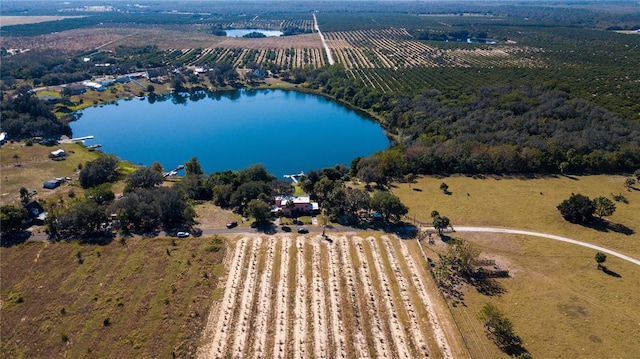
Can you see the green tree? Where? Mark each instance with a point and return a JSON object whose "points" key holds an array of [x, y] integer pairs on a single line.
{"points": [[100, 193], [440, 223], [444, 187], [466, 256], [102, 170], [24, 195], [144, 177], [629, 182], [499, 328], [604, 207], [12, 218], [600, 258], [578, 208], [192, 167], [259, 210], [388, 205], [636, 174]]}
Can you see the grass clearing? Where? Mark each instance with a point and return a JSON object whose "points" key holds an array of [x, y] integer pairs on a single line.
{"points": [[526, 204], [32, 167], [149, 298], [560, 304]]}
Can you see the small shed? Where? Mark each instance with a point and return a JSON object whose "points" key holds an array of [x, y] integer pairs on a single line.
{"points": [[51, 184], [57, 153]]}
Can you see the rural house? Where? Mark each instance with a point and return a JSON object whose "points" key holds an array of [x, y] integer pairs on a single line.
{"points": [[298, 204]]}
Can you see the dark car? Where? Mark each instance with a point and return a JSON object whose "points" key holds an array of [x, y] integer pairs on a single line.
{"points": [[286, 229], [303, 230], [232, 224]]}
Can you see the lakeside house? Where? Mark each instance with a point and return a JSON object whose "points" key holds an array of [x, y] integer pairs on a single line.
{"points": [[35, 212], [297, 204]]}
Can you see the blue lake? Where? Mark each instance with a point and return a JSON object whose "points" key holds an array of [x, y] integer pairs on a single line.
{"points": [[286, 131]]}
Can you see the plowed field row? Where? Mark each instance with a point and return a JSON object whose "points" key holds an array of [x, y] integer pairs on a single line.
{"points": [[303, 297], [238, 57]]}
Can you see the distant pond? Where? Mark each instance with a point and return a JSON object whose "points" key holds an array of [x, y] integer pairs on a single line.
{"points": [[286, 131], [242, 32]]}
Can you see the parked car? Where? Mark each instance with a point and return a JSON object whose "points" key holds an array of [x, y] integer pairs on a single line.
{"points": [[232, 224], [183, 234], [303, 230]]}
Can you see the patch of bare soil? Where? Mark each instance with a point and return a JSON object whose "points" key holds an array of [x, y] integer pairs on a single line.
{"points": [[23, 20]]}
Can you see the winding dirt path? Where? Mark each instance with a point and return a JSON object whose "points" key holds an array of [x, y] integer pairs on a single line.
{"points": [[549, 236]]}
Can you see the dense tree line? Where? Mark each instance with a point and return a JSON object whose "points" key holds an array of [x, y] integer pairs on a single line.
{"points": [[26, 116], [144, 207], [499, 129]]}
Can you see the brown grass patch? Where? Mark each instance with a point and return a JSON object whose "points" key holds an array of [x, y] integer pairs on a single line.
{"points": [[560, 304], [526, 204], [22, 20], [121, 301]]}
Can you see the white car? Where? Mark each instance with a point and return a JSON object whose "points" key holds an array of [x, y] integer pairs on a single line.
{"points": [[183, 234]]}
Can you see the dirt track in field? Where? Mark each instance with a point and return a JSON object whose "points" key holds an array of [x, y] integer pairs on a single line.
{"points": [[291, 296]]}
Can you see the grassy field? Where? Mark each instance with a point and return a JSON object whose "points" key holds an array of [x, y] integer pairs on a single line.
{"points": [[526, 204], [560, 304], [33, 166], [146, 298]]}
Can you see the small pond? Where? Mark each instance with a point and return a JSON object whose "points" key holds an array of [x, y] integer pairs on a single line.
{"points": [[242, 32], [286, 131]]}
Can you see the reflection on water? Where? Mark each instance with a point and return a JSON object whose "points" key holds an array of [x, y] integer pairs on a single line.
{"points": [[286, 131]]}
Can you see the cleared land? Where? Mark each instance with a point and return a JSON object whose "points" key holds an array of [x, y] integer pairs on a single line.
{"points": [[21, 20], [560, 304], [141, 298], [528, 203], [29, 166], [301, 296]]}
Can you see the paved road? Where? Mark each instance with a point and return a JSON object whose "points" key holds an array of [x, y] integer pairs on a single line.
{"points": [[337, 229], [549, 236]]}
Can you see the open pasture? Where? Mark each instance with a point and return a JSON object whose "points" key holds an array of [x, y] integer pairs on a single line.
{"points": [[136, 298], [560, 304], [528, 203]]}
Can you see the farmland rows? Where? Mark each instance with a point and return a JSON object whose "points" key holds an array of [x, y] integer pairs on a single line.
{"points": [[436, 327], [238, 57], [303, 297], [359, 336], [419, 342], [378, 330], [318, 306], [338, 328], [246, 303], [264, 304], [222, 326], [300, 310], [398, 336], [282, 309]]}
